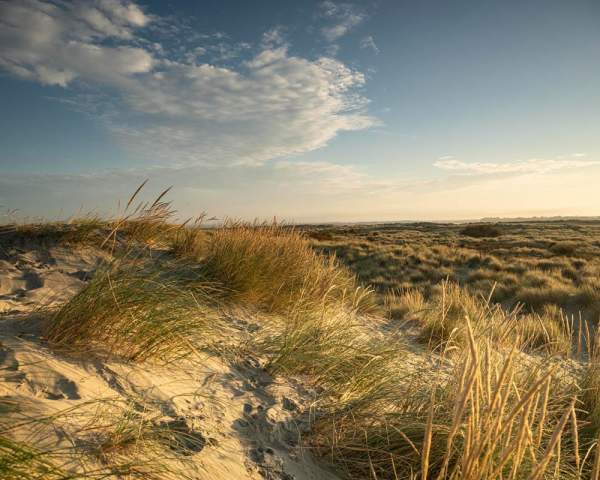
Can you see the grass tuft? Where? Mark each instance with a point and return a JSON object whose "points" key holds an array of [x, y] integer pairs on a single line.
{"points": [[481, 230], [273, 268], [133, 310]]}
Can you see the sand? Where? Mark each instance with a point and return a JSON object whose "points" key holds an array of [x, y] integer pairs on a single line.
{"points": [[242, 423]]}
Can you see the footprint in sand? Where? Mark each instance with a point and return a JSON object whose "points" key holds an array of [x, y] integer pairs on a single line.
{"points": [[32, 280], [9, 366], [64, 388]]}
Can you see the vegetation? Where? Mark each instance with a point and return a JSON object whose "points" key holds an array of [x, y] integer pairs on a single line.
{"points": [[486, 418], [82, 230], [136, 311], [269, 266], [115, 439], [475, 357], [142, 223], [481, 230], [536, 265]]}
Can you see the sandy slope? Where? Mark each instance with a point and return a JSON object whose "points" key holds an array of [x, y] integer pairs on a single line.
{"points": [[33, 276], [244, 424]]}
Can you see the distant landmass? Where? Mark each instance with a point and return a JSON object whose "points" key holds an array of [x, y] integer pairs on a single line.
{"points": [[556, 218], [539, 219]]}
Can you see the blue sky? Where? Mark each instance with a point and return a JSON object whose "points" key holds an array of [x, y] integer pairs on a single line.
{"points": [[309, 111]]}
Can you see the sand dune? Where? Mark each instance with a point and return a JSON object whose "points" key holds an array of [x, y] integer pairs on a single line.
{"points": [[238, 422]]}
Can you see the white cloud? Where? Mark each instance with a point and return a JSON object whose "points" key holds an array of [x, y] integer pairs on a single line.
{"points": [[56, 43], [369, 43], [531, 166], [171, 108], [272, 106], [343, 17], [324, 176]]}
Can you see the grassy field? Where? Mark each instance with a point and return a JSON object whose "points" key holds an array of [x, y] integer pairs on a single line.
{"points": [[434, 351], [540, 265]]}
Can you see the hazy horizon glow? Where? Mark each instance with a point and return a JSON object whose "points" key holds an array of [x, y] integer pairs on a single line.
{"points": [[310, 111]]}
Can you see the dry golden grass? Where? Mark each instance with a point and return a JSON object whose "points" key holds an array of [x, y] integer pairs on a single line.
{"points": [[135, 310], [337, 351], [145, 223], [90, 229], [489, 417], [536, 264], [508, 388], [442, 325], [270, 267]]}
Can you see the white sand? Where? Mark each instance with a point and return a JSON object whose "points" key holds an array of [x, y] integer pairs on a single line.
{"points": [[245, 423]]}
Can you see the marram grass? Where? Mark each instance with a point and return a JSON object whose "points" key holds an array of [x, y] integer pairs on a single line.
{"points": [[131, 309], [483, 396], [270, 267]]}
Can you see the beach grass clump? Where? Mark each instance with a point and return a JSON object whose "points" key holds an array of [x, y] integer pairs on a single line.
{"points": [[553, 332], [565, 248], [105, 438], [336, 350], [443, 319], [87, 230], [544, 334], [145, 223], [404, 305], [590, 384], [488, 417], [274, 268], [188, 239], [23, 461], [135, 309], [481, 230], [134, 440]]}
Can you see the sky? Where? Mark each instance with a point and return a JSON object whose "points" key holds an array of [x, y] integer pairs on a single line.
{"points": [[310, 111]]}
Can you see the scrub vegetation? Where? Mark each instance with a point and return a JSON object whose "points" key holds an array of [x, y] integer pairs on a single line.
{"points": [[537, 265], [433, 351]]}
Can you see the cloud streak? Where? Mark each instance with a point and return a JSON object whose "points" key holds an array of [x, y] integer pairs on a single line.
{"points": [[531, 166]]}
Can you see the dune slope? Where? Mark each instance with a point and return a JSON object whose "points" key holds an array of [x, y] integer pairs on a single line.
{"points": [[229, 418]]}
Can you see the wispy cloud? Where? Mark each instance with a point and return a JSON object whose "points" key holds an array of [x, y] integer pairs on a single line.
{"points": [[531, 166], [318, 191], [342, 17], [368, 43], [274, 37], [222, 190], [174, 105]]}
